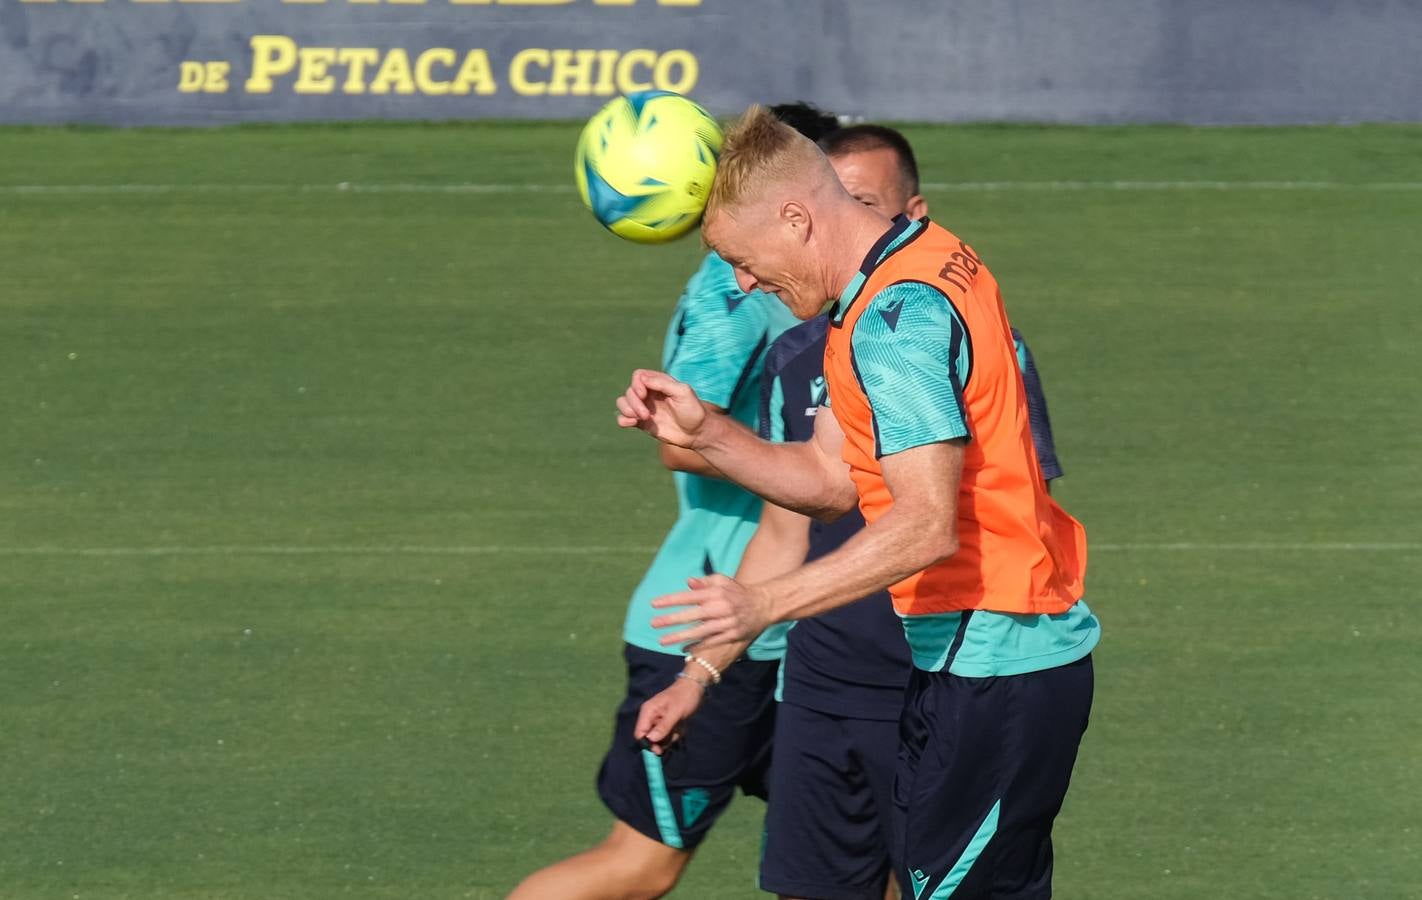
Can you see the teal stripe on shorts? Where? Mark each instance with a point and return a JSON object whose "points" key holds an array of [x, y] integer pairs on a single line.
{"points": [[970, 855], [661, 800]]}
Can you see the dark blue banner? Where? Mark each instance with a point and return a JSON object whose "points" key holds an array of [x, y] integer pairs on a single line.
{"points": [[1200, 61]]}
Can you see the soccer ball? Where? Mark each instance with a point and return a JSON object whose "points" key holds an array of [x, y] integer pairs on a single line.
{"points": [[644, 165]]}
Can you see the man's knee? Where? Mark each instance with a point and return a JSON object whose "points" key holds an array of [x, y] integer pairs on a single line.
{"points": [[647, 869], [650, 884]]}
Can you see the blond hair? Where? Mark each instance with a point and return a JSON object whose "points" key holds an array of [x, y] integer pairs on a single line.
{"points": [[759, 149]]}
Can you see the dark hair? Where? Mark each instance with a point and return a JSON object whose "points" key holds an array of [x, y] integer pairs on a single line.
{"points": [[863, 138], [811, 121]]}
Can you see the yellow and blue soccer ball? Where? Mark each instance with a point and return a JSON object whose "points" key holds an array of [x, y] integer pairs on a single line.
{"points": [[645, 163]]}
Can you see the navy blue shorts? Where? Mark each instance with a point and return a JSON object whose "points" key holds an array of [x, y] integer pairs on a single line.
{"points": [[984, 764], [827, 829], [676, 797]]}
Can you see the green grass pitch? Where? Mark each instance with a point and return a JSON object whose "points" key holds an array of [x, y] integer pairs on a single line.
{"points": [[374, 432]]}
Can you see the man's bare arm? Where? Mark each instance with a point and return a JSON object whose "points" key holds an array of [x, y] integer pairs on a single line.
{"points": [[680, 459], [919, 530], [806, 477], [779, 545]]}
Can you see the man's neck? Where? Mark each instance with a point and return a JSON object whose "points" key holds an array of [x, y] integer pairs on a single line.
{"points": [[856, 234]]}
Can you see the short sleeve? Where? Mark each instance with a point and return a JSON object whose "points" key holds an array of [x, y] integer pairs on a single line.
{"points": [[1037, 411], [912, 357], [772, 407], [720, 334]]}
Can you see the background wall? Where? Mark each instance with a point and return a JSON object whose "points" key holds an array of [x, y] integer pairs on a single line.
{"points": [[1195, 61]]}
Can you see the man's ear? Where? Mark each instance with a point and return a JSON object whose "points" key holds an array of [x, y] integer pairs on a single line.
{"points": [[795, 214], [916, 207]]}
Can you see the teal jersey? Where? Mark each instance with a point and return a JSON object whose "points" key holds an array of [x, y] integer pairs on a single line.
{"points": [[716, 343], [912, 355], [985, 644]]}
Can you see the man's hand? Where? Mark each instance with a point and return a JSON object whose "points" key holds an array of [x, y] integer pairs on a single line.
{"points": [[662, 718], [663, 407], [720, 611]]}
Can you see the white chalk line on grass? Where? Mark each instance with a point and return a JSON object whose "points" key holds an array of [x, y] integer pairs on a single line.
{"points": [[332, 188], [331, 550], [612, 550], [947, 186], [1171, 186], [1321, 546]]}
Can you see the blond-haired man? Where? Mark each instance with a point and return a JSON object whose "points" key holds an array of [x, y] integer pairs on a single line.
{"points": [[930, 437]]}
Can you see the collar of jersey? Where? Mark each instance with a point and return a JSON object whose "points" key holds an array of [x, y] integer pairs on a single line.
{"points": [[900, 233]]}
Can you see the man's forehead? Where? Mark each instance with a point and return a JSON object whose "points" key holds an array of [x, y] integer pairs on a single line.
{"points": [[718, 230], [876, 162]]}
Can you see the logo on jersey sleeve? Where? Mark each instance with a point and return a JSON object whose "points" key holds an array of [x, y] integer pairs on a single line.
{"points": [[819, 392], [890, 311]]}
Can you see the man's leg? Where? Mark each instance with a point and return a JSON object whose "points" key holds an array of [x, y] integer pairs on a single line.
{"points": [[823, 840], [876, 751], [983, 769], [665, 805], [626, 866]]}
